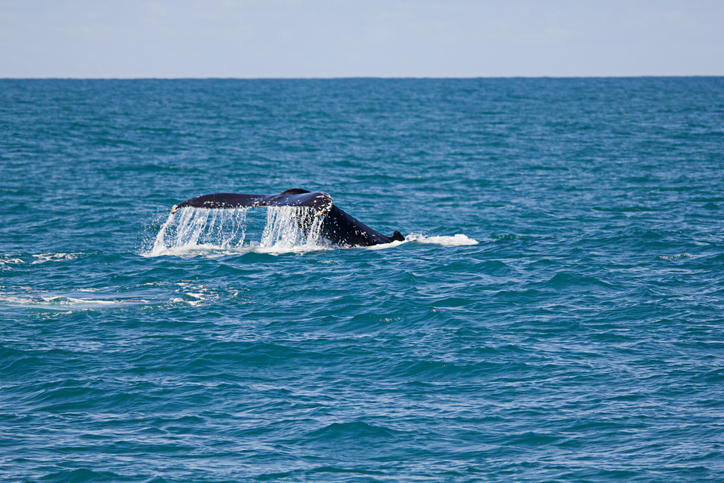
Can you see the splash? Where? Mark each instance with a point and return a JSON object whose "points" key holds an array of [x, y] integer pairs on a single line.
{"points": [[447, 241], [201, 227], [195, 231], [292, 226]]}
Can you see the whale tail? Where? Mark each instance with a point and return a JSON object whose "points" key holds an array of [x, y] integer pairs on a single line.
{"points": [[337, 226], [319, 201]]}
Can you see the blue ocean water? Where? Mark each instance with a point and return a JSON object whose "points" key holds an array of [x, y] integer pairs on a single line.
{"points": [[556, 313]]}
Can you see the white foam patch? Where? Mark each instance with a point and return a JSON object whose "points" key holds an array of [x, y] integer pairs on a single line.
{"points": [[10, 260], [447, 241], [53, 257], [675, 257], [36, 259], [60, 302], [212, 251], [77, 300]]}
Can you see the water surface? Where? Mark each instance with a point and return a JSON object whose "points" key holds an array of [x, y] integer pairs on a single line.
{"points": [[556, 312]]}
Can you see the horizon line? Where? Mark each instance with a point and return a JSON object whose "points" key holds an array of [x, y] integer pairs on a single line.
{"points": [[381, 77]]}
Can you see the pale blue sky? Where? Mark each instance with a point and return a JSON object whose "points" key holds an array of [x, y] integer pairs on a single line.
{"points": [[370, 38]]}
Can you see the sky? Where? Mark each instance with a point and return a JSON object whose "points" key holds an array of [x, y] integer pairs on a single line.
{"points": [[359, 38]]}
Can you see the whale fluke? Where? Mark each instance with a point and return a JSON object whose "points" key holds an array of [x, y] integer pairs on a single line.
{"points": [[337, 226], [321, 202]]}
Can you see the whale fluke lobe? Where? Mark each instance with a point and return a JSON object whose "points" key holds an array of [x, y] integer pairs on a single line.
{"points": [[337, 226], [321, 202]]}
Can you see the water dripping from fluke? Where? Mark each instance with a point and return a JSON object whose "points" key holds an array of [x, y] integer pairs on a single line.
{"points": [[193, 231]]}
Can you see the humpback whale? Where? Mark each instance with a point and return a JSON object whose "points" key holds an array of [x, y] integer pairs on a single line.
{"points": [[337, 226]]}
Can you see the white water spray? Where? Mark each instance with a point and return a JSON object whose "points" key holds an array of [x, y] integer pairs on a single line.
{"points": [[193, 230], [292, 226]]}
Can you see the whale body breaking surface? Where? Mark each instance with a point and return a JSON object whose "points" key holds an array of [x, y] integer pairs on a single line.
{"points": [[337, 226]]}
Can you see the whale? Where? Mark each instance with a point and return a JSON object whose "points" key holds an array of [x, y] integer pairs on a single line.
{"points": [[337, 227]]}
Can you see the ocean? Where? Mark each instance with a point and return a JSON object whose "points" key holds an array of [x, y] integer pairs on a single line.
{"points": [[556, 312]]}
